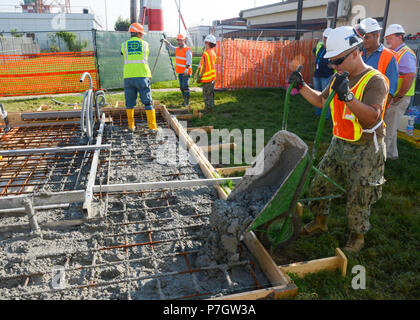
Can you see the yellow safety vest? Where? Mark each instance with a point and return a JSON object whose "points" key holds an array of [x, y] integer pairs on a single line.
{"points": [[346, 125], [210, 72], [399, 55], [136, 53]]}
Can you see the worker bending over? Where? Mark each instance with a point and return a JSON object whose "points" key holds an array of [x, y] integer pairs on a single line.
{"points": [[356, 155], [377, 56], [207, 74], [407, 70], [137, 76], [183, 66]]}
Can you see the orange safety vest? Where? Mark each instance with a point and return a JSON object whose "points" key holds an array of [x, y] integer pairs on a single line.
{"points": [[210, 72], [398, 55], [181, 60], [346, 125], [385, 60]]}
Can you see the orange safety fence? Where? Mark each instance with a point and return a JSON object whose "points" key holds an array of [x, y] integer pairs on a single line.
{"points": [[46, 73], [262, 64]]}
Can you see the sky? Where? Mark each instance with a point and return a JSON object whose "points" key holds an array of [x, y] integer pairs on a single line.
{"points": [[195, 12]]}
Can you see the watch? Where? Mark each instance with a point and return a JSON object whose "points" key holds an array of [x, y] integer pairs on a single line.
{"points": [[349, 96]]}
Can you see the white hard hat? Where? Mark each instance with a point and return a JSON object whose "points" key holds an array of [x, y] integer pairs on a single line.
{"points": [[210, 38], [340, 40], [326, 32], [370, 25], [394, 28]]}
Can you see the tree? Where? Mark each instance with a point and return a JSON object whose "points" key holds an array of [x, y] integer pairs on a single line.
{"points": [[15, 33], [121, 24], [70, 39]]}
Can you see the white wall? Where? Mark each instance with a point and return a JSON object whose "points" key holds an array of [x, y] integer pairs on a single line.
{"points": [[42, 24]]}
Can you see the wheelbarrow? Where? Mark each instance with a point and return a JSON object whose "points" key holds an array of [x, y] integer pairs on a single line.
{"points": [[284, 165]]}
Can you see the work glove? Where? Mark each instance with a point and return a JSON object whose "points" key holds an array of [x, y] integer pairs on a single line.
{"points": [[341, 85], [296, 79]]}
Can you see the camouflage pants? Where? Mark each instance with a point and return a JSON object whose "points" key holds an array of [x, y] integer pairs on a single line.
{"points": [[208, 95], [358, 169]]}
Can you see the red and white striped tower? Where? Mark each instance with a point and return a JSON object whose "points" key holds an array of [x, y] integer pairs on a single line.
{"points": [[152, 15]]}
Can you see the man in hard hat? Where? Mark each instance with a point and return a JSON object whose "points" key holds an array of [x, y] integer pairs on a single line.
{"points": [[137, 76], [207, 75], [183, 66], [407, 70], [323, 72], [377, 56], [356, 156]]}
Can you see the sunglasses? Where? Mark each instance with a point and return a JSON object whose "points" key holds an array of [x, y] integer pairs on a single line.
{"points": [[339, 61]]}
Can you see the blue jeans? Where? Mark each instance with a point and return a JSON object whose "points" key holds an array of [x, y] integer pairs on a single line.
{"points": [[320, 84], [184, 84], [135, 86]]}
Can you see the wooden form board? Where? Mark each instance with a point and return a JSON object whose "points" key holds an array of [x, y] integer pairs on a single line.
{"points": [[333, 263], [282, 284], [197, 153], [230, 170]]}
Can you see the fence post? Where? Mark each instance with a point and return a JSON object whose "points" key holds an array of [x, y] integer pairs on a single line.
{"points": [[95, 50]]}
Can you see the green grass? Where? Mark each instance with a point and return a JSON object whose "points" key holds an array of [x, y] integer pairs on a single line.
{"points": [[392, 252]]}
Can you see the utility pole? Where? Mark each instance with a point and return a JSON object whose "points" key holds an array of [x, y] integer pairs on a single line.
{"points": [[133, 11], [385, 21], [299, 19], [106, 17], [179, 16], [334, 23]]}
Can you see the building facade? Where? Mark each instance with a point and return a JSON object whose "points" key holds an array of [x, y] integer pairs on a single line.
{"points": [[40, 26]]}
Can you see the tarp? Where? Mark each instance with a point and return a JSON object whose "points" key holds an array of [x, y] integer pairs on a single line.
{"points": [[111, 62]]}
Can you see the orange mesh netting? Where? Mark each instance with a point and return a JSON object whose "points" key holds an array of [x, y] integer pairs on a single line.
{"points": [[46, 73], [261, 64]]}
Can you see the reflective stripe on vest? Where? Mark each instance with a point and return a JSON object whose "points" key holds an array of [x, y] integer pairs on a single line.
{"points": [[399, 54], [210, 72], [181, 60], [346, 125], [135, 53], [318, 47]]}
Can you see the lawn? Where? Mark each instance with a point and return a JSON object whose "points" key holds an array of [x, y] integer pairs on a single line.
{"points": [[392, 252]]}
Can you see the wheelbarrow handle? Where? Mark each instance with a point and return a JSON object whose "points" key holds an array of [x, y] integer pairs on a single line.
{"points": [[321, 125], [287, 102]]}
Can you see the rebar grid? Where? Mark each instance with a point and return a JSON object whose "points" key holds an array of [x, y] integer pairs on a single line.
{"points": [[31, 173], [147, 246]]}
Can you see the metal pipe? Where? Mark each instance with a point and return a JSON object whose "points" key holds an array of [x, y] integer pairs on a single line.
{"points": [[385, 21], [92, 173], [37, 208], [25, 152], [12, 202], [162, 184]]}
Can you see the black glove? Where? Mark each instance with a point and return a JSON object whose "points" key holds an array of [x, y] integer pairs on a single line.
{"points": [[341, 85], [296, 79]]}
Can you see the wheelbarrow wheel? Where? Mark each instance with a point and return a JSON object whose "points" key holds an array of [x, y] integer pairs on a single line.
{"points": [[280, 232]]}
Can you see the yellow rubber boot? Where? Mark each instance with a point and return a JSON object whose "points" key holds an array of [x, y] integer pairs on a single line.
{"points": [[130, 117], [151, 119]]}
